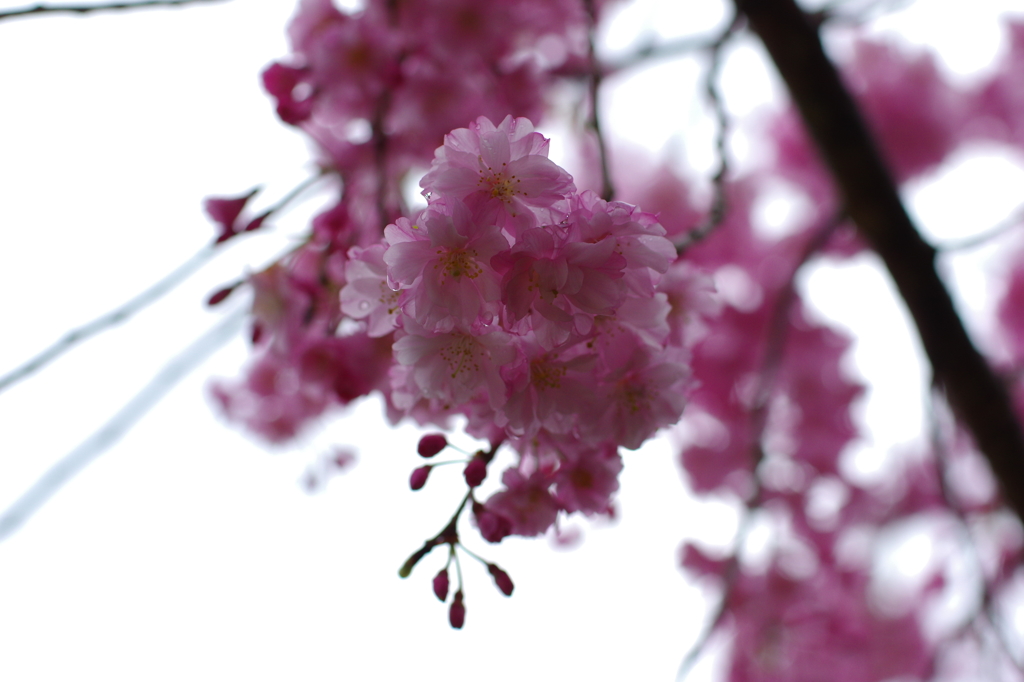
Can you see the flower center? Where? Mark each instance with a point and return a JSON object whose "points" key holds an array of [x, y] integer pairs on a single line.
{"points": [[502, 187], [544, 374], [388, 298], [461, 355], [456, 263], [634, 396]]}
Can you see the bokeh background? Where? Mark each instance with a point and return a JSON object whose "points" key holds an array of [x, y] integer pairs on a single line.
{"points": [[189, 550]]}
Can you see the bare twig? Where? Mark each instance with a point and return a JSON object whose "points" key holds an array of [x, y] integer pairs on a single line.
{"points": [[96, 444], [777, 332], [987, 605], [717, 211], [111, 319], [86, 9], [594, 120], [839, 12], [977, 240], [135, 305], [651, 51]]}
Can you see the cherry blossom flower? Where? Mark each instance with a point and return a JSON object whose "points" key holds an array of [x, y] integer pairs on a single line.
{"points": [[587, 479], [454, 366], [445, 265], [366, 294], [500, 170], [526, 502]]}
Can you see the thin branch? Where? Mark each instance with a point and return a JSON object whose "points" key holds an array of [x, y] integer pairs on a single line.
{"points": [[86, 9], [111, 432], [987, 605], [777, 332], [651, 51], [113, 318], [380, 156], [982, 238], [873, 202], [135, 305], [839, 13], [449, 534], [322, 172], [731, 573], [717, 211], [594, 120]]}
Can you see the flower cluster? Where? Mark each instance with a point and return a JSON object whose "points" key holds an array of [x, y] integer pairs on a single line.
{"points": [[540, 313], [565, 326], [378, 89]]}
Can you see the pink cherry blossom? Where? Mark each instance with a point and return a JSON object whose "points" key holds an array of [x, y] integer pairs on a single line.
{"points": [[643, 391], [366, 294], [547, 389], [500, 170], [587, 479], [444, 263], [454, 366], [526, 502]]}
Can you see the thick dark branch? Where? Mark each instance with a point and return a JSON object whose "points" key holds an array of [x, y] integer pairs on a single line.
{"points": [[871, 200], [85, 9]]}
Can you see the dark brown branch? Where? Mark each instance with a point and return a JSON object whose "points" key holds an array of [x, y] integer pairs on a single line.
{"points": [[871, 199]]}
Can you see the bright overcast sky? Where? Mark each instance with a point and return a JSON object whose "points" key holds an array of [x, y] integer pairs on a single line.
{"points": [[188, 550]]}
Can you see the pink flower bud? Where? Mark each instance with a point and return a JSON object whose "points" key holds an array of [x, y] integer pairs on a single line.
{"points": [[493, 527], [220, 295], [441, 584], [501, 579], [457, 612], [475, 472], [225, 211], [418, 479], [256, 222], [431, 444], [343, 459]]}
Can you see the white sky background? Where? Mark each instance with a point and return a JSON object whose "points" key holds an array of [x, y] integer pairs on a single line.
{"points": [[189, 551]]}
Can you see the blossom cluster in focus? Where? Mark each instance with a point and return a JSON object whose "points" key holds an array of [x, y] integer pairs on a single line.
{"points": [[548, 317]]}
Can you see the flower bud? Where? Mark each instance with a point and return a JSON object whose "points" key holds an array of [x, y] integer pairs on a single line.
{"points": [[219, 296], [257, 222], [475, 472], [418, 478], [431, 444], [501, 579], [441, 584], [493, 527], [457, 612]]}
